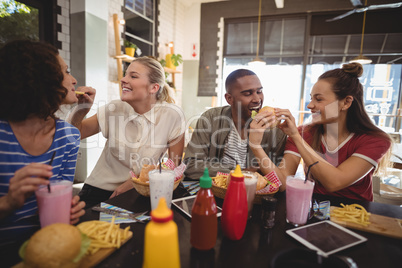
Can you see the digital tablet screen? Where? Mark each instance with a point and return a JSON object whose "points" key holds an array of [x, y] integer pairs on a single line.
{"points": [[326, 237], [185, 204]]}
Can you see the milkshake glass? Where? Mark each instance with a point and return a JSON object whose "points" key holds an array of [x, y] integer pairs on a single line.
{"points": [[161, 185], [55, 207], [298, 199]]}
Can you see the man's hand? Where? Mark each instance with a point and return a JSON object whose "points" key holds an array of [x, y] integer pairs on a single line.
{"points": [[261, 122]]}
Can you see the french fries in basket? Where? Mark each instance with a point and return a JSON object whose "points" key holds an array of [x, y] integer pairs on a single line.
{"points": [[352, 213], [104, 234], [221, 180]]}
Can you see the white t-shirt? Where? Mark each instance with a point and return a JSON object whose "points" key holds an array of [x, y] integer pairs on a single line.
{"points": [[133, 140], [235, 149]]}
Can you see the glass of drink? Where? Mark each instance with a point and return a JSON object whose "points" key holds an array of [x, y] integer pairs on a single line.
{"points": [[55, 206], [298, 199], [161, 184], [250, 181]]}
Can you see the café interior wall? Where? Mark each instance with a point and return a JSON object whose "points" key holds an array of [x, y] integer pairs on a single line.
{"points": [[89, 64], [192, 105]]}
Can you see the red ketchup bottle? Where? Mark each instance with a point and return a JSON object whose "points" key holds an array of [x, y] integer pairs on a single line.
{"points": [[204, 223], [234, 209]]}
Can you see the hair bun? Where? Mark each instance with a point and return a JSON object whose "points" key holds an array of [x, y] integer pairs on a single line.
{"points": [[354, 68]]}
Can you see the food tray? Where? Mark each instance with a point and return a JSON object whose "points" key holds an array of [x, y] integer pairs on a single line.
{"points": [[220, 192]]}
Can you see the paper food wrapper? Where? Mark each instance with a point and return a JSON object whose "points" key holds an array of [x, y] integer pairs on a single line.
{"points": [[169, 164], [108, 218], [273, 182]]}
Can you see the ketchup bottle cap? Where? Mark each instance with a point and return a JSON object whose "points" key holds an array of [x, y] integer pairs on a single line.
{"points": [[237, 172]]}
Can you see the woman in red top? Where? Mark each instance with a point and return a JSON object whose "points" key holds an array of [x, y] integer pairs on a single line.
{"points": [[349, 148]]}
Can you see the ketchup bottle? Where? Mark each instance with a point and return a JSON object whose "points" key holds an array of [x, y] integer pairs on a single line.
{"points": [[234, 209], [204, 223], [161, 245]]}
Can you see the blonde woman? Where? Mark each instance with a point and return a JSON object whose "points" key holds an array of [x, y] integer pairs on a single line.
{"points": [[138, 128], [349, 148]]}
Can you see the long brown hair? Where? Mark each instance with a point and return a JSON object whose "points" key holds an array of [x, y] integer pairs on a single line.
{"points": [[157, 75], [345, 82]]}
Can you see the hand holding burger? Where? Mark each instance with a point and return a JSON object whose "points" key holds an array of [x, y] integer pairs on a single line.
{"points": [[266, 109]]}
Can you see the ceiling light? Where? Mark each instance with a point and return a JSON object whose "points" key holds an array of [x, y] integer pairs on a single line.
{"points": [[362, 59], [279, 3], [257, 61]]}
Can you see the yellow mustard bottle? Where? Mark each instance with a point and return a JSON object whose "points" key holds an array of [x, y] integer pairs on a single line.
{"points": [[161, 243]]}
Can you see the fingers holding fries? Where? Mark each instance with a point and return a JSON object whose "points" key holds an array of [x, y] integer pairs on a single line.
{"points": [[104, 234]]}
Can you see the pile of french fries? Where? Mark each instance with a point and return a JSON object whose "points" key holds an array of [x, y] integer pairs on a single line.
{"points": [[221, 180], [104, 234], [352, 213]]}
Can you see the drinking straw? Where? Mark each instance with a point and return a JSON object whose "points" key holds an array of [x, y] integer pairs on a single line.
{"points": [[50, 163], [160, 162], [308, 171]]}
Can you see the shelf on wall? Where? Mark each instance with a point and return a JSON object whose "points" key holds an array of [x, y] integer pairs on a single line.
{"points": [[127, 58]]}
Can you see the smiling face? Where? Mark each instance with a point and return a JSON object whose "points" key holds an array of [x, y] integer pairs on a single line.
{"points": [[136, 86], [245, 96], [69, 83], [324, 105]]}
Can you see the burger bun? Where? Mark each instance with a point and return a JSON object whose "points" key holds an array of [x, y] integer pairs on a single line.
{"points": [[269, 109], [55, 245]]}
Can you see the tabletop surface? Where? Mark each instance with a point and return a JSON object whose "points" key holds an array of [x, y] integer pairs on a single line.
{"points": [[258, 246]]}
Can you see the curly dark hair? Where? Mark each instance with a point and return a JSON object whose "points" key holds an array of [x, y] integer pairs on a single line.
{"points": [[30, 80]]}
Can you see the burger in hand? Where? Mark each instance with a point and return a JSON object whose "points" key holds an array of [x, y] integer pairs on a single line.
{"points": [[56, 245], [266, 109]]}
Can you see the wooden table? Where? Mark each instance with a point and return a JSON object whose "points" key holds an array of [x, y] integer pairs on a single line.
{"points": [[258, 247]]}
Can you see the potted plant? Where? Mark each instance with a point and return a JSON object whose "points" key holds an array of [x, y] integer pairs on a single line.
{"points": [[173, 60], [129, 48]]}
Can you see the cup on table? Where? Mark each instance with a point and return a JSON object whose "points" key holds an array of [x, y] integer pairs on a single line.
{"points": [[55, 207], [161, 185], [298, 199], [250, 181]]}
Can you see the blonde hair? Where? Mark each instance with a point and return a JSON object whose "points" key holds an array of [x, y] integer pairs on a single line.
{"points": [[157, 75]]}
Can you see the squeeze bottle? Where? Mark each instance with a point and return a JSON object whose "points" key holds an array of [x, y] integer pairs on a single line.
{"points": [[161, 243], [204, 223], [234, 209]]}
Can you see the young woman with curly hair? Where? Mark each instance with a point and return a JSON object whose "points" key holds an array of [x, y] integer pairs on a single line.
{"points": [[33, 84], [349, 148]]}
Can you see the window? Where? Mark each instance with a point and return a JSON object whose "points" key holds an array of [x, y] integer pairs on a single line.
{"points": [[281, 47], [140, 24], [18, 21], [28, 19], [287, 85]]}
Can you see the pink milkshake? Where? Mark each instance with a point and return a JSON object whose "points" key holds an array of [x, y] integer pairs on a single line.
{"points": [[54, 207], [298, 199]]}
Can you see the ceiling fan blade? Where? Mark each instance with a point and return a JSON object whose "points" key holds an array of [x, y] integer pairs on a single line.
{"points": [[393, 5], [342, 16], [356, 3]]}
